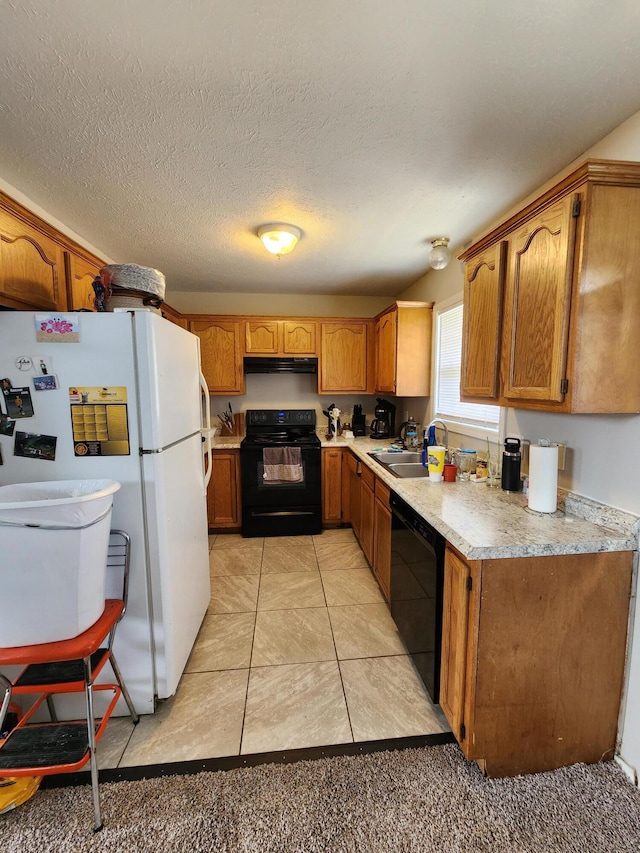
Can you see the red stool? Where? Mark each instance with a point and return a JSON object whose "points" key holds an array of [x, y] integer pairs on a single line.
{"points": [[66, 666]]}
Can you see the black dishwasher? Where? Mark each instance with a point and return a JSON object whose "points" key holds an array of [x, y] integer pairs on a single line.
{"points": [[417, 580]]}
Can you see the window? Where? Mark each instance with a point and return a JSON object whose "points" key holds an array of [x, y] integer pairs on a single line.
{"points": [[470, 417]]}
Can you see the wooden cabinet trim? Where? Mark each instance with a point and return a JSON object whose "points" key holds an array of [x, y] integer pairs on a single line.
{"points": [[608, 172], [27, 217]]}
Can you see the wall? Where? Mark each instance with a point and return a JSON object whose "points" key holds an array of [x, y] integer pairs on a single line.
{"points": [[21, 198], [611, 476], [270, 391], [278, 304]]}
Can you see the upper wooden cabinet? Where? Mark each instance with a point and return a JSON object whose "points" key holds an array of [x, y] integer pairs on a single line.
{"points": [[174, 316], [567, 330], [482, 323], [403, 349], [40, 267], [31, 266], [80, 275], [268, 336], [220, 353], [345, 356]]}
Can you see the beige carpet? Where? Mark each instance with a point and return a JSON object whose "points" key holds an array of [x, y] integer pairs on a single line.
{"points": [[422, 800]]}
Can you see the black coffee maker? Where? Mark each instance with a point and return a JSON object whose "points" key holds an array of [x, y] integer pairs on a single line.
{"points": [[384, 421]]}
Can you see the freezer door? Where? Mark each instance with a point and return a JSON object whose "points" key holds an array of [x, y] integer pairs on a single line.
{"points": [[178, 555], [168, 364]]}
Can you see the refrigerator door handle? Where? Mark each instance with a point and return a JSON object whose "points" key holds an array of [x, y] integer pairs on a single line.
{"points": [[206, 432]]}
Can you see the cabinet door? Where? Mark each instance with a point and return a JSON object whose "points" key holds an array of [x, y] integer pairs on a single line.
{"points": [[455, 623], [331, 485], [537, 304], [299, 337], [343, 357], [220, 354], [482, 323], [367, 502], [80, 276], [31, 267], [223, 493], [261, 337], [354, 492], [386, 343], [382, 541]]}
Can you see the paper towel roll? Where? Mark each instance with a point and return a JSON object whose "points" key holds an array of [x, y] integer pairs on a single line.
{"points": [[543, 478]]}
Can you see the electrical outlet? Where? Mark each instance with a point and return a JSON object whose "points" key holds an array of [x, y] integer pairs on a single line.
{"points": [[562, 455]]}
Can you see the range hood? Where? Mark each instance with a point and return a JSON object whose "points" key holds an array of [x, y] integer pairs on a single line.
{"points": [[280, 364]]}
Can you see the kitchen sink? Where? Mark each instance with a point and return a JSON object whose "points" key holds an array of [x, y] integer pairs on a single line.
{"points": [[385, 457], [405, 463], [408, 469]]}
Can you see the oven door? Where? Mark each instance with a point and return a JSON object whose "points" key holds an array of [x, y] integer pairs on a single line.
{"points": [[280, 508]]}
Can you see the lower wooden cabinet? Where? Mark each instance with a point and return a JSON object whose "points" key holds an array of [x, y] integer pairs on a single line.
{"points": [[382, 538], [331, 486], [365, 504], [533, 653], [352, 468], [367, 485], [224, 511]]}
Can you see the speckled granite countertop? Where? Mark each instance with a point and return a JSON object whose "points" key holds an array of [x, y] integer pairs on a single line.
{"points": [[483, 523], [226, 442]]}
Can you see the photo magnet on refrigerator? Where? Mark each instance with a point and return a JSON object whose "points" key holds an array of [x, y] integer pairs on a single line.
{"points": [[34, 446], [42, 365], [7, 426], [18, 402], [45, 383]]}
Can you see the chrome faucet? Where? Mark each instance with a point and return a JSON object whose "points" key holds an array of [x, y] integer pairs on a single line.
{"points": [[446, 436]]}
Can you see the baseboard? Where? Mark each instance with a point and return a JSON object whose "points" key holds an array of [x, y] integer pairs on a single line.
{"points": [[630, 772]]}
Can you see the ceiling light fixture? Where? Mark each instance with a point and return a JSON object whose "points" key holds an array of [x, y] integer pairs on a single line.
{"points": [[440, 255], [279, 239]]}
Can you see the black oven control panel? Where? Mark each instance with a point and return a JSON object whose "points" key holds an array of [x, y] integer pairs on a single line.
{"points": [[280, 417]]}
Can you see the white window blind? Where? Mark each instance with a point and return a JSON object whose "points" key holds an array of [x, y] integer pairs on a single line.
{"points": [[447, 386]]}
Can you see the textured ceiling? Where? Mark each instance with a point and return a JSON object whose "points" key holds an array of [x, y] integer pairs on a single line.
{"points": [[165, 133]]}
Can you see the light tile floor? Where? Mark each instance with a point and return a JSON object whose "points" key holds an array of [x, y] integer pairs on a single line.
{"points": [[297, 649]]}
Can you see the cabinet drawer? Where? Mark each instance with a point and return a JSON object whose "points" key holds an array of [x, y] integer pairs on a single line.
{"points": [[383, 492], [368, 477]]}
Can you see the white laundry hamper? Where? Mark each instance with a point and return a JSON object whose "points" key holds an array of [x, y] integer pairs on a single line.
{"points": [[54, 538]]}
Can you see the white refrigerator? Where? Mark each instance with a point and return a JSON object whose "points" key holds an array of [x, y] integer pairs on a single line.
{"points": [[120, 396]]}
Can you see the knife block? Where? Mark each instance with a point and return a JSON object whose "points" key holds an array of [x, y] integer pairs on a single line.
{"points": [[358, 425], [238, 426]]}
